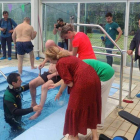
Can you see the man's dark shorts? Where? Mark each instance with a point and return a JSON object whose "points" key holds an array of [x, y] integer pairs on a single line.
{"points": [[24, 47], [55, 79]]}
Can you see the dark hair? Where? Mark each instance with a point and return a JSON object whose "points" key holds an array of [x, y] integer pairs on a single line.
{"points": [[65, 29], [12, 77], [108, 14], [60, 19], [5, 12]]}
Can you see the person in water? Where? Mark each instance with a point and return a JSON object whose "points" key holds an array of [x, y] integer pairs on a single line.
{"points": [[12, 105]]}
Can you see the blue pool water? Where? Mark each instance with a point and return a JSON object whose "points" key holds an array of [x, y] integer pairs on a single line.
{"points": [[49, 107]]}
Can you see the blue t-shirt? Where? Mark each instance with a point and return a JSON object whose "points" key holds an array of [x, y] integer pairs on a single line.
{"points": [[111, 29], [8, 25]]}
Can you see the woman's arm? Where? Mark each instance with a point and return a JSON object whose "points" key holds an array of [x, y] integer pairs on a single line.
{"points": [[63, 86], [74, 51]]}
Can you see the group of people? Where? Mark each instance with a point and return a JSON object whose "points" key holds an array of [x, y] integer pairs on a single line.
{"points": [[88, 81], [21, 35]]}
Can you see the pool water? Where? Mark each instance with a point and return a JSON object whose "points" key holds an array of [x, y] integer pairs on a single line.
{"points": [[50, 105]]}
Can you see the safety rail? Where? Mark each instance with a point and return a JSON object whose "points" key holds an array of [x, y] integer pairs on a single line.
{"points": [[131, 67], [3, 74], [121, 55]]}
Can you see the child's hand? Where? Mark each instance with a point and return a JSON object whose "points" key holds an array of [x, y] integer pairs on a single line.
{"points": [[58, 96], [37, 108], [51, 86]]}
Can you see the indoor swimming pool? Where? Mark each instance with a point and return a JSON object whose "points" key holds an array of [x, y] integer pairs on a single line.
{"points": [[50, 105]]}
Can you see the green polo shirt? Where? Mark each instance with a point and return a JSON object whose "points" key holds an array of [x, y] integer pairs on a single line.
{"points": [[104, 70], [111, 29]]}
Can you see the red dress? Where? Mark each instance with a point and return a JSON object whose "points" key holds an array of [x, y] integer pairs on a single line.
{"points": [[85, 50], [84, 107]]}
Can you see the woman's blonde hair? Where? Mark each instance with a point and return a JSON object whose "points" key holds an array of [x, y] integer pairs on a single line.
{"points": [[55, 53], [65, 29]]}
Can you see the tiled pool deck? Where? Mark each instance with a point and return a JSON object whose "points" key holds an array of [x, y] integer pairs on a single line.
{"points": [[114, 125]]}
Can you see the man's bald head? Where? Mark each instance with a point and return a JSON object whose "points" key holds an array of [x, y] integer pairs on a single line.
{"points": [[50, 43]]}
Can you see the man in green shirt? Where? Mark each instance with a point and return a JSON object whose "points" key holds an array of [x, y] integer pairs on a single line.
{"points": [[106, 75], [112, 28]]}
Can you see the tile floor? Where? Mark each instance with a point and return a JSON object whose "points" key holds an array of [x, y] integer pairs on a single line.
{"points": [[114, 125]]}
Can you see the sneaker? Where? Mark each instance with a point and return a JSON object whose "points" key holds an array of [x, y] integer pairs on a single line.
{"points": [[2, 58], [9, 58]]}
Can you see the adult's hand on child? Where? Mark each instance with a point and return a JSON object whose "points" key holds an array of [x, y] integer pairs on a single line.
{"points": [[37, 108], [41, 66], [58, 96], [70, 84], [51, 86]]}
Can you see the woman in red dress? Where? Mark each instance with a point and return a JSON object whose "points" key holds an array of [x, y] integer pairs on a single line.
{"points": [[84, 106], [79, 43]]}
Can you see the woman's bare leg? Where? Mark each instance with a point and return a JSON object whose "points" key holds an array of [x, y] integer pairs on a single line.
{"points": [[94, 134]]}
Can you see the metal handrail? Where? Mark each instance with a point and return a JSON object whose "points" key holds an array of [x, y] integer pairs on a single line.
{"points": [[3, 74], [131, 68], [114, 55], [130, 79], [103, 48], [121, 68], [95, 25]]}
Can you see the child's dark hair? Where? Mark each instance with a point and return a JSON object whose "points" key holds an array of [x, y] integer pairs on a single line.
{"points": [[12, 77], [108, 14], [5, 12]]}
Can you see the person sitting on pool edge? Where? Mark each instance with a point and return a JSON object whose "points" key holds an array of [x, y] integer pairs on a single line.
{"points": [[48, 77], [12, 105]]}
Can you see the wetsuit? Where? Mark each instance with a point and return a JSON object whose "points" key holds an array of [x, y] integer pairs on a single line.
{"points": [[13, 107]]}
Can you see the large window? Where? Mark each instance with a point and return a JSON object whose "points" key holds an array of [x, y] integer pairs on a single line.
{"points": [[94, 13], [51, 12], [18, 11]]}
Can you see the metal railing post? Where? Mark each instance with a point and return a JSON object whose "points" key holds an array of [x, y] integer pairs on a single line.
{"points": [[130, 79], [121, 80]]}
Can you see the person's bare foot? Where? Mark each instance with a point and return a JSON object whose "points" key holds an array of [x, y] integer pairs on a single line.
{"points": [[33, 104], [34, 67], [35, 115]]}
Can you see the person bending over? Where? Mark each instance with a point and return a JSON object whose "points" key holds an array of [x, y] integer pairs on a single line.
{"points": [[79, 43], [12, 105], [84, 87], [106, 75]]}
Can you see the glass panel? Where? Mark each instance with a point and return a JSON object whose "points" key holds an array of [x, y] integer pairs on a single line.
{"points": [[17, 12], [134, 16], [51, 12], [94, 13], [0, 31]]}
